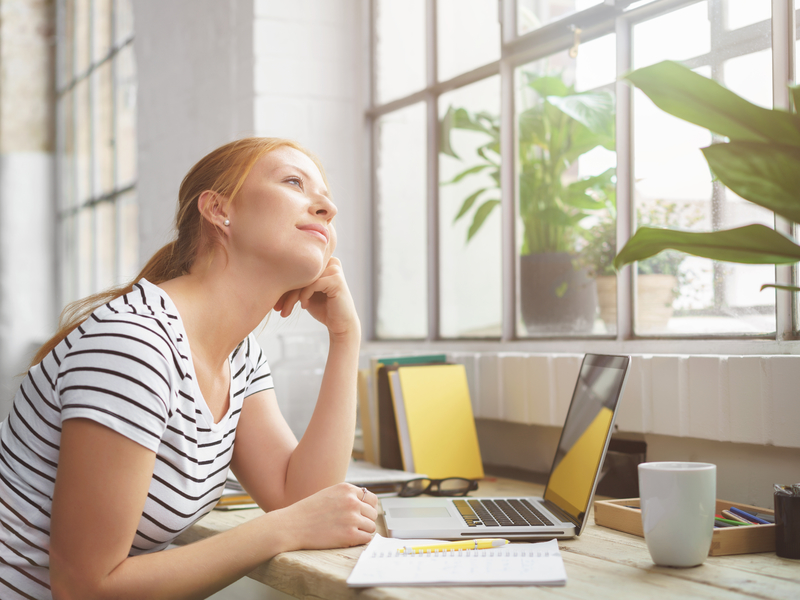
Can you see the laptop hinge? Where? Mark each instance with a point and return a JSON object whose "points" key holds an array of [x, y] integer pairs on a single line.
{"points": [[553, 508]]}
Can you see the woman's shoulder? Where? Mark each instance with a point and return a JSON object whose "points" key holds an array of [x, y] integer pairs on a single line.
{"points": [[134, 323]]}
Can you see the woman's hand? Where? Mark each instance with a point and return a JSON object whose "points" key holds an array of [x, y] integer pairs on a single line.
{"points": [[328, 300], [340, 516]]}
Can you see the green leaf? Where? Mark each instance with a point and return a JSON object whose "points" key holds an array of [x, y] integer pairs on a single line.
{"points": [[594, 110], [788, 288], [468, 172], [685, 94], [448, 123], [480, 216], [794, 92], [460, 118], [547, 85], [766, 174], [751, 244], [468, 204]]}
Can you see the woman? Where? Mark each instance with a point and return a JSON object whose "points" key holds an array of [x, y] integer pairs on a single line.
{"points": [[123, 430]]}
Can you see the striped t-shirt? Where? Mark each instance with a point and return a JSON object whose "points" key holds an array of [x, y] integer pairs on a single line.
{"points": [[128, 366]]}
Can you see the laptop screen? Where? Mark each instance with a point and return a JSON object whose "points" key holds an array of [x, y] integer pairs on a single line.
{"points": [[586, 433]]}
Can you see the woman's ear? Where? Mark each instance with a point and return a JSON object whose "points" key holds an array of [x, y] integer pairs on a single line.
{"points": [[213, 209]]}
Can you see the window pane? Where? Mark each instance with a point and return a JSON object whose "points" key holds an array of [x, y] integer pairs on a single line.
{"points": [[102, 29], [66, 39], [656, 40], [399, 48], [532, 14], [468, 36], [103, 129], [82, 37], [678, 293], [402, 232], [106, 233], [740, 13], [67, 261], [124, 21], [126, 116], [127, 226], [83, 141], [566, 195], [84, 239], [66, 152], [596, 63], [469, 234], [796, 297]]}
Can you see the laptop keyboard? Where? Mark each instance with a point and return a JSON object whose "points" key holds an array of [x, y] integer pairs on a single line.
{"points": [[500, 513]]}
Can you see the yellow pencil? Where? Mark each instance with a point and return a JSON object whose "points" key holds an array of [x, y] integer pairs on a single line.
{"points": [[459, 545]]}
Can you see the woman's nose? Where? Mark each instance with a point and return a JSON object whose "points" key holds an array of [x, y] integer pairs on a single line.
{"points": [[324, 207]]}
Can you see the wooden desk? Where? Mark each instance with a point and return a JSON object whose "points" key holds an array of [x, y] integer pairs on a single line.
{"points": [[601, 563]]}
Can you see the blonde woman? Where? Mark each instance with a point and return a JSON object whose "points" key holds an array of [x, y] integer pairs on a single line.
{"points": [[123, 430]]}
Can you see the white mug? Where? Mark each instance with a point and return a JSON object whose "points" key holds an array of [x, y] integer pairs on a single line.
{"points": [[678, 502]]}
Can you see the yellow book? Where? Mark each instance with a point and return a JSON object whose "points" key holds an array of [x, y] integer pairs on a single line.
{"points": [[366, 416], [440, 428]]}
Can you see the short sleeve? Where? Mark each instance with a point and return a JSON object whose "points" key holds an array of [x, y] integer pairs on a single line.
{"points": [[118, 374], [259, 376]]}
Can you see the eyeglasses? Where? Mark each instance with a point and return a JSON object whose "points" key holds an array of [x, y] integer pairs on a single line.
{"points": [[451, 486]]}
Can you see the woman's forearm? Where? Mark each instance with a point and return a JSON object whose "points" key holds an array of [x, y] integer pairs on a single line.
{"points": [[193, 571], [322, 456], [337, 517]]}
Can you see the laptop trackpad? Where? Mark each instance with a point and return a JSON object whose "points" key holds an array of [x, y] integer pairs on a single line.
{"points": [[419, 512]]}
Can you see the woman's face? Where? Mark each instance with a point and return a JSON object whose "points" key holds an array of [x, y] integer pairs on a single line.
{"points": [[281, 221]]}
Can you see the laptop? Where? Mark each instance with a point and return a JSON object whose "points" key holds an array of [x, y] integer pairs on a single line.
{"points": [[563, 510]]}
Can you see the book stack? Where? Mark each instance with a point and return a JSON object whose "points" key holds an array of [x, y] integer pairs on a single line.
{"points": [[419, 417]]}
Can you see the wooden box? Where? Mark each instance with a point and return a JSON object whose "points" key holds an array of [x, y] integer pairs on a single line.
{"points": [[618, 514]]}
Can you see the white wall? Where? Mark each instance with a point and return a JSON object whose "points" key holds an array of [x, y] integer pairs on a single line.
{"points": [[309, 71], [195, 92], [27, 274]]}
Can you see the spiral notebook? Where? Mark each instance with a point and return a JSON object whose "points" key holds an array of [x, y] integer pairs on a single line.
{"points": [[382, 565]]}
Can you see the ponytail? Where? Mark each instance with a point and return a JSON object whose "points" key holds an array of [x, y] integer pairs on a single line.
{"points": [[157, 270], [223, 172]]}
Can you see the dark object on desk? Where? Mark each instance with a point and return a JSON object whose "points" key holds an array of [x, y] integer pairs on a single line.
{"points": [[787, 521], [620, 478], [388, 439], [450, 486]]}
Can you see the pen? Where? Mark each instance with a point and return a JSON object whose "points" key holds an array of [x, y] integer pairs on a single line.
{"points": [[734, 517], [236, 499], [728, 521], [748, 516], [460, 545]]}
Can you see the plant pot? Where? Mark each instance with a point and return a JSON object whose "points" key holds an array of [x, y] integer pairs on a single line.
{"points": [[607, 300], [556, 297], [655, 295]]}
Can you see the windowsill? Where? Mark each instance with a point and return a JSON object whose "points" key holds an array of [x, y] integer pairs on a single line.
{"points": [[740, 398]]}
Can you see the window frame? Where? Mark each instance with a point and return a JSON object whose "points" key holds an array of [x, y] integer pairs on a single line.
{"points": [[67, 78], [517, 50]]}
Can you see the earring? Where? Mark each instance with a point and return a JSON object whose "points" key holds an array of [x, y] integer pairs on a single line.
{"points": [[226, 222]]}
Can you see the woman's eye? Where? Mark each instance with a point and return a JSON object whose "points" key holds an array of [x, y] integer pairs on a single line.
{"points": [[295, 181]]}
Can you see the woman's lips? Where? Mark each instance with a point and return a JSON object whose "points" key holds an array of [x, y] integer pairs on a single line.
{"points": [[317, 230]]}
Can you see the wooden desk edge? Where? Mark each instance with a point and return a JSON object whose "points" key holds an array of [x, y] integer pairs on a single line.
{"points": [[323, 573]]}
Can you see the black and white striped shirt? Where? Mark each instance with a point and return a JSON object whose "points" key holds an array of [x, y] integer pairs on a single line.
{"points": [[128, 367]]}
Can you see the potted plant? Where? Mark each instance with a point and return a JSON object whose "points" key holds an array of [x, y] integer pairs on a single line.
{"points": [[760, 163], [557, 295], [660, 277]]}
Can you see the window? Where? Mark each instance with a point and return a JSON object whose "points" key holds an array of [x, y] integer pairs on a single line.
{"points": [[508, 159], [96, 146]]}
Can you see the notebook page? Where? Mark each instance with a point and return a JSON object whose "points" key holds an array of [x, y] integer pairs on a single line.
{"points": [[515, 564]]}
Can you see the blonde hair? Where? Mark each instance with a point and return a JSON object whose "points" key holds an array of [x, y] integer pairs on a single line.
{"points": [[223, 172]]}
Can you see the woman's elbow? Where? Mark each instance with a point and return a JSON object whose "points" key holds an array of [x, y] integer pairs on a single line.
{"points": [[66, 584]]}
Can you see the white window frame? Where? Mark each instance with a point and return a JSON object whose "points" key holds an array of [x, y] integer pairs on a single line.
{"points": [[518, 50]]}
